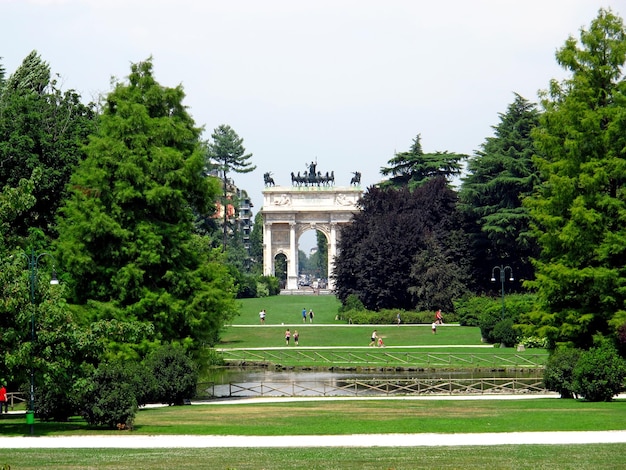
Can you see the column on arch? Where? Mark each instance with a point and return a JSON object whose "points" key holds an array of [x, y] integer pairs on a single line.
{"points": [[268, 264], [292, 266], [332, 252]]}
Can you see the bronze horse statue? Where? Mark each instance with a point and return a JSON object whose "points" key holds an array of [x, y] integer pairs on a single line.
{"points": [[267, 178], [356, 179]]}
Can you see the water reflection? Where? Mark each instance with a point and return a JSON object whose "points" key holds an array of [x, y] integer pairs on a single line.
{"points": [[230, 382]]}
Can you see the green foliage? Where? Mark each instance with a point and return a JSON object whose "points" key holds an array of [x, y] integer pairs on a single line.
{"points": [[414, 168], [108, 398], [599, 373], [174, 374], [378, 250], [126, 235], [505, 333], [352, 302], [558, 373], [498, 177], [271, 285], [389, 317], [579, 210], [469, 308], [226, 154], [42, 131]]}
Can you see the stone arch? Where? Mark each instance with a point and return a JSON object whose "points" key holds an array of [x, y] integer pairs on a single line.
{"points": [[288, 212]]}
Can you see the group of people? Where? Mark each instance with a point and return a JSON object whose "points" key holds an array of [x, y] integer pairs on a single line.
{"points": [[296, 337], [311, 315], [438, 321], [376, 340]]}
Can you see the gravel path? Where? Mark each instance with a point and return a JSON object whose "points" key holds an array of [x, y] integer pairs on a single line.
{"points": [[129, 441]]}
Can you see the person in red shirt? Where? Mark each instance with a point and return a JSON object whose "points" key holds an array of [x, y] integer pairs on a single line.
{"points": [[3, 398]]}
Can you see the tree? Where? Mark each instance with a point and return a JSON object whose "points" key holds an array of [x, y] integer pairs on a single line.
{"points": [[256, 242], [126, 235], [498, 178], [414, 168], [378, 249], [226, 154], [41, 129], [579, 210], [58, 350]]}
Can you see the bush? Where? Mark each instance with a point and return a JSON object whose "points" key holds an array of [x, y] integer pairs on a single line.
{"points": [[504, 333], [469, 309], [558, 374], [108, 398], [175, 374], [352, 303], [599, 373], [271, 283], [389, 317], [246, 287]]}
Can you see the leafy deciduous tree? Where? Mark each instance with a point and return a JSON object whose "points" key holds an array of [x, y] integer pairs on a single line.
{"points": [[378, 249]]}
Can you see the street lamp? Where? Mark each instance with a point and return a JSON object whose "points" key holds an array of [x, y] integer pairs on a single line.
{"points": [[502, 270], [33, 262]]}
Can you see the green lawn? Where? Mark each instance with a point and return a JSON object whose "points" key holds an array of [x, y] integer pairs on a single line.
{"points": [[452, 346], [342, 417], [563, 457]]}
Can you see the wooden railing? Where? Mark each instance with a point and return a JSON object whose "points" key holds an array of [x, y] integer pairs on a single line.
{"points": [[13, 397], [375, 387], [384, 358]]}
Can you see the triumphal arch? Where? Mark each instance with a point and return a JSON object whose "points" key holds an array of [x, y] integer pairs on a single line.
{"points": [[312, 202]]}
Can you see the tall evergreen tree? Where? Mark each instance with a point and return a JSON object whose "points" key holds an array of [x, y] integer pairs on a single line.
{"points": [[227, 154], [580, 210], [126, 234], [499, 176], [414, 168]]}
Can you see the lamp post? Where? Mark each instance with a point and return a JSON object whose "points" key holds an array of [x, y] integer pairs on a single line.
{"points": [[33, 263], [502, 270]]}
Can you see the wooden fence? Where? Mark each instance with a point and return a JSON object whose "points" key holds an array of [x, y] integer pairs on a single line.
{"points": [[375, 387], [386, 357]]}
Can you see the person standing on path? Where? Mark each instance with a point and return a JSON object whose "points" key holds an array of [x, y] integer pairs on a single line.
{"points": [[304, 315], [434, 327], [296, 337], [3, 397], [287, 336]]}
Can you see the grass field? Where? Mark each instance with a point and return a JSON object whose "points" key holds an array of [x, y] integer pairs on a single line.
{"points": [[462, 345], [563, 457], [343, 417]]}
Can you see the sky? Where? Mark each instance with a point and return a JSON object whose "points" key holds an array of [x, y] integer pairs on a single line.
{"points": [[345, 83]]}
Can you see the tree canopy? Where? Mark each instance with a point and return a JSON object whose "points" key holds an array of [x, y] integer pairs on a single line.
{"points": [[498, 177], [378, 251], [414, 167], [42, 129], [579, 211], [126, 234], [227, 154]]}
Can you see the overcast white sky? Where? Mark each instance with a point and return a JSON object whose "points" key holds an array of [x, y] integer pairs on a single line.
{"points": [[346, 82]]}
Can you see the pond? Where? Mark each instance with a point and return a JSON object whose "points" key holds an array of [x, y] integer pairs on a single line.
{"points": [[245, 382]]}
